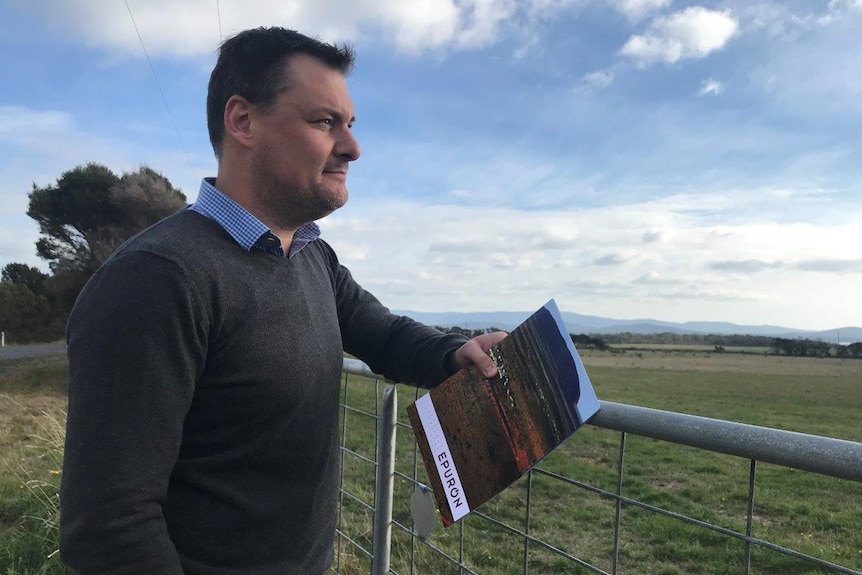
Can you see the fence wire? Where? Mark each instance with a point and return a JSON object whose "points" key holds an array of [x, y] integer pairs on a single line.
{"points": [[376, 533]]}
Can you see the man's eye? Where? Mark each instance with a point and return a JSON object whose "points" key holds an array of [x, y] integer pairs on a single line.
{"points": [[325, 121]]}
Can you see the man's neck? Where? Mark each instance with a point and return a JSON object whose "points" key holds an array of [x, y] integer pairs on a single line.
{"points": [[239, 192]]}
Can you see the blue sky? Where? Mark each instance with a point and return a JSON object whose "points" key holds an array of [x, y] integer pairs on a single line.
{"points": [[629, 158]]}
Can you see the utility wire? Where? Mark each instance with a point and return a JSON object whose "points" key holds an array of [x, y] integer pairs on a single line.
{"points": [[218, 11], [159, 85]]}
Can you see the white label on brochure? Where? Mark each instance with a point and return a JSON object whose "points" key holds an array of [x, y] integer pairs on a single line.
{"points": [[442, 457]]}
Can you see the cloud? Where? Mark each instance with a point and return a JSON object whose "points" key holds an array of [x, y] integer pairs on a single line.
{"points": [[839, 5], [42, 144], [190, 28], [633, 9], [598, 80], [652, 236], [24, 126], [743, 266], [809, 70], [577, 255], [692, 33], [654, 278], [425, 24], [481, 21], [638, 8], [853, 266], [777, 19], [711, 86], [610, 260]]}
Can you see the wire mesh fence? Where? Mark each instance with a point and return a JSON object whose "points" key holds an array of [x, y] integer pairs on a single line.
{"points": [[635, 491]]}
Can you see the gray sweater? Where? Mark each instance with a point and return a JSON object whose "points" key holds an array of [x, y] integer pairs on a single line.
{"points": [[202, 434]]}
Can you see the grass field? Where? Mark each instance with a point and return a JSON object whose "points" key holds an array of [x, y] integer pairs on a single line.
{"points": [[32, 416], [814, 514]]}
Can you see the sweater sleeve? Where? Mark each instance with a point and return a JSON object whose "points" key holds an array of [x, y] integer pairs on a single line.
{"points": [[394, 346], [136, 345]]}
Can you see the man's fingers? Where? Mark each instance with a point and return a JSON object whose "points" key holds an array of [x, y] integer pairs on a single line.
{"points": [[475, 352]]}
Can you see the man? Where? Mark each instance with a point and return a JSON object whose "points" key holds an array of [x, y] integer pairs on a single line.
{"points": [[205, 355]]}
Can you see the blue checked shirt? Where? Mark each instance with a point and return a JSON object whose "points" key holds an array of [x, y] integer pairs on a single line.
{"points": [[248, 231]]}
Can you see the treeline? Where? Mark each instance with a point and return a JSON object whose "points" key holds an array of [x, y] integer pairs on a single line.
{"points": [[82, 218], [814, 348], [581, 341], [773, 345], [470, 333], [801, 347], [734, 340]]}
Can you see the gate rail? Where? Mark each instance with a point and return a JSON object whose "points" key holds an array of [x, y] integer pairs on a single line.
{"points": [[828, 456]]}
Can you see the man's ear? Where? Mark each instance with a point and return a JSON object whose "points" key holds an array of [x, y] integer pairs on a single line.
{"points": [[237, 120]]}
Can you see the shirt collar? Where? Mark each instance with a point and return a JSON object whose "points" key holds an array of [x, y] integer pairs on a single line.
{"points": [[248, 231]]}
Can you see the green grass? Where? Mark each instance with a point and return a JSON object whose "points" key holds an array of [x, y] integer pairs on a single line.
{"points": [[31, 436], [810, 513], [813, 514], [32, 400]]}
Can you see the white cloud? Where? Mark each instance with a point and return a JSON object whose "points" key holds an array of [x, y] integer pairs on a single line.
{"points": [[711, 86], [594, 260], [776, 19], [420, 24], [842, 4], [598, 80], [184, 28], [694, 32], [815, 70], [24, 126], [482, 20], [638, 8]]}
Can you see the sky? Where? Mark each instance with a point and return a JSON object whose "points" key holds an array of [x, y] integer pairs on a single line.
{"points": [[661, 159]]}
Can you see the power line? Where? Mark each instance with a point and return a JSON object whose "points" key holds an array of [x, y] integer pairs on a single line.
{"points": [[159, 85], [218, 11]]}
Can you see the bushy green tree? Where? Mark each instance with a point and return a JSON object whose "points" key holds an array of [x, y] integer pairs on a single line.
{"points": [[24, 315], [88, 213], [21, 274]]}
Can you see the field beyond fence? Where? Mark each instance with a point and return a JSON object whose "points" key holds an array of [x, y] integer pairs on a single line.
{"points": [[810, 513], [814, 514]]}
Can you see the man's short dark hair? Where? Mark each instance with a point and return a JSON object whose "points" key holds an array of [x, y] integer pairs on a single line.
{"points": [[251, 65]]}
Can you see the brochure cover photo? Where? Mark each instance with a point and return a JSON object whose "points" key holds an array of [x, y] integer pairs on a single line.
{"points": [[477, 436]]}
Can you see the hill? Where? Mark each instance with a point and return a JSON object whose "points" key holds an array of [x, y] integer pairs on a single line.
{"points": [[588, 324]]}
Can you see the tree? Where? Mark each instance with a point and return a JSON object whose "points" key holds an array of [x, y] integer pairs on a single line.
{"points": [[584, 341], [88, 213], [800, 347], [24, 314], [29, 277]]}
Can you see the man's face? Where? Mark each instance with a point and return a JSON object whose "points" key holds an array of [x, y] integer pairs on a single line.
{"points": [[304, 145]]}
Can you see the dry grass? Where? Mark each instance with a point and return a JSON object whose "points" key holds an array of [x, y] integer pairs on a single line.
{"points": [[32, 428], [32, 394], [814, 514]]}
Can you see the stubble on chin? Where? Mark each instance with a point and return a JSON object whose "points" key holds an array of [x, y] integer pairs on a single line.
{"points": [[292, 207]]}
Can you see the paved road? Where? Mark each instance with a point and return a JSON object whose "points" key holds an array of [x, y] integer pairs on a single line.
{"points": [[32, 350]]}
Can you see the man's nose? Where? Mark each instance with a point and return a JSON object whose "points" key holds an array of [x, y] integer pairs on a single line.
{"points": [[348, 147]]}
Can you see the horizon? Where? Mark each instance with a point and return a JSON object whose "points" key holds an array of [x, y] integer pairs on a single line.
{"points": [[688, 161], [635, 320]]}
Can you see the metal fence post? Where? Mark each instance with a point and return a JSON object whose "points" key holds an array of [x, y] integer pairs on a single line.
{"points": [[384, 482], [817, 454]]}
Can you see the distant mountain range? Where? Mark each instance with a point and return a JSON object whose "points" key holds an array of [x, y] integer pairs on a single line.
{"points": [[588, 324]]}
